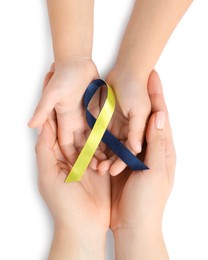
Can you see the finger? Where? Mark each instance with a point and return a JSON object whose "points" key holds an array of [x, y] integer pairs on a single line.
{"points": [[47, 78], [104, 166], [98, 157], [70, 152], [118, 165], [93, 163], [44, 108], [67, 128], [52, 115], [45, 156], [52, 68], [112, 165], [137, 125], [52, 120], [156, 93], [158, 104], [79, 140], [170, 159], [156, 138]]}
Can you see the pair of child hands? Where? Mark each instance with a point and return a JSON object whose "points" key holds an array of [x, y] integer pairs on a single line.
{"points": [[66, 84]]}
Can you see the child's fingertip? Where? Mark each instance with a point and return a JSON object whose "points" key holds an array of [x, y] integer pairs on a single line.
{"points": [[138, 147], [102, 173], [94, 164], [104, 166], [114, 173]]}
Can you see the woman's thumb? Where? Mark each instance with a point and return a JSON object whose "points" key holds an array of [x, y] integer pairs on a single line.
{"points": [[156, 141]]}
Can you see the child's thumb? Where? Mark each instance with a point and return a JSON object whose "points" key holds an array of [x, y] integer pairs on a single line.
{"points": [[156, 142], [136, 131], [43, 109]]}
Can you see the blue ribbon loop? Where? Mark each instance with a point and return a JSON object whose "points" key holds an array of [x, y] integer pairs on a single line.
{"points": [[110, 140]]}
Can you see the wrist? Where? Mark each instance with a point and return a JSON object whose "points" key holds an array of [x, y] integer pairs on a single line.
{"points": [[73, 243], [73, 60], [133, 68], [79, 66], [136, 232], [124, 74], [140, 243]]}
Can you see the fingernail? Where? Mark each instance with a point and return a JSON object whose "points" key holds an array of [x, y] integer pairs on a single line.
{"points": [[160, 120], [40, 129], [139, 147]]}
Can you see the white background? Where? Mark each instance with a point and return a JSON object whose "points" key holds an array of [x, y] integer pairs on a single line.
{"points": [[25, 55]]}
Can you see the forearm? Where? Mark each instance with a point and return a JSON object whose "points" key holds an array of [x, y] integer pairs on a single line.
{"points": [[70, 245], [72, 28], [151, 24], [141, 244]]}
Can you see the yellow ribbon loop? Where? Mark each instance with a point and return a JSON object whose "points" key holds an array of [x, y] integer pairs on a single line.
{"points": [[94, 138]]}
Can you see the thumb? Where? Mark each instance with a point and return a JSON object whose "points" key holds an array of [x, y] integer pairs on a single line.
{"points": [[44, 108], [45, 156], [155, 156], [137, 124]]}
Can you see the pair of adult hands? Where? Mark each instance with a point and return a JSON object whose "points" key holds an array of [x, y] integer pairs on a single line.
{"points": [[128, 200]]}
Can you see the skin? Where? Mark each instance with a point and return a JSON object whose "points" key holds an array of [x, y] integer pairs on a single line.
{"points": [[139, 198], [131, 203], [150, 26], [81, 210], [72, 34], [73, 71]]}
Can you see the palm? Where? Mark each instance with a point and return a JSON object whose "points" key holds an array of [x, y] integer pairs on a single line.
{"points": [[70, 84], [129, 120], [89, 198], [132, 199], [135, 193], [119, 125]]}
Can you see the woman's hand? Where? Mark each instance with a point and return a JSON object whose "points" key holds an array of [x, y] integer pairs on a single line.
{"points": [[139, 198], [81, 210]]}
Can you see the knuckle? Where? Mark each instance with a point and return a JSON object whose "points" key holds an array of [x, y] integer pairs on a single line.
{"points": [[160, 141], [140, 132], [162, 144], [137, 133], [145, 110]]}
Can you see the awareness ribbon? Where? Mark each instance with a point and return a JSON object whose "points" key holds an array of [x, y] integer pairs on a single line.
{"points": [[99, 132]]}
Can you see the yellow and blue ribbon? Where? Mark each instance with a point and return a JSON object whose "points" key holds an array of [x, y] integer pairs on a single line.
{"points": [[99, 132]]}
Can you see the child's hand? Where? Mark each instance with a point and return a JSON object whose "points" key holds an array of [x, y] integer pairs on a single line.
{"points": [[130, 117], [64, 92]]}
